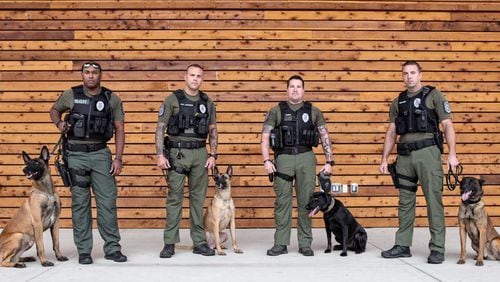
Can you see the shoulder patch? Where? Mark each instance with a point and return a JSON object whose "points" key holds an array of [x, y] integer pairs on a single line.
{"points": [[447, 107], [162, 110]]}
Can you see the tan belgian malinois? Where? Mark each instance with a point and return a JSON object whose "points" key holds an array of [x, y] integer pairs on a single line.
{"points": [[39, 212], [474, 221], [220, 213]]}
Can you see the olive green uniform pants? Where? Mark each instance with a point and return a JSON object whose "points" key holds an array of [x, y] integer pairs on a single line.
{"points": [[303, 167], [193, 160], [98, 165], [426, 164]]}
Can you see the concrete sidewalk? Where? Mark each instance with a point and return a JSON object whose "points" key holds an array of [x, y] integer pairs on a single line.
{"points": [[142, 246]]}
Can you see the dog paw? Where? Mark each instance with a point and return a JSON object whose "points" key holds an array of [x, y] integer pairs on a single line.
{"points": [[343, 254], [327, 251], [461, 261], [238, 251], [47, 263], [221, 253], [62, 258], [479, 263], [20, 265]]}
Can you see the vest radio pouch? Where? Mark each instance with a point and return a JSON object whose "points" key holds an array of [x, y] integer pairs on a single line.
{"points": [[287, 135]]}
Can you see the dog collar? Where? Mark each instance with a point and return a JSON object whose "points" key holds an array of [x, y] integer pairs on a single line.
{"points": [[469, 202], [332, 204]]}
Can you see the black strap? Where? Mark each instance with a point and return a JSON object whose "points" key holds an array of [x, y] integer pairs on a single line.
{"points": [[407, 148], [91, 147], [293, 150], [452, 184], [187, 144], [283, 176]]}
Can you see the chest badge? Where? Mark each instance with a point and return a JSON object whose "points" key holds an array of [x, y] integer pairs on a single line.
{"points": [[417, 102], [203, 109], [100, 105], [305, 117]]}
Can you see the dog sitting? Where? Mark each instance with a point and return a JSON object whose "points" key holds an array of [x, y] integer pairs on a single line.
{"points": [[39, 212], [474, 221], [339, 221], [220, 213]]}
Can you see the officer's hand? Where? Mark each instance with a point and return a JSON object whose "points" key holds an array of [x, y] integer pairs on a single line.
{"points": [[383, 167], [63, 127], [269, 166], [116, 167], [162, 162], [210, 162], [327, 169], [453, 162]]}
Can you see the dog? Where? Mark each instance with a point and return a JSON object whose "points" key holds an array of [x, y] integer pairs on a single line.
{"points": [[339, 221], [473, 220], [220, 213], [38, 213]]}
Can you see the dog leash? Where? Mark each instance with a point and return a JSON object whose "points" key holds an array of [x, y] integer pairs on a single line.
{"points": [[452, 183]]}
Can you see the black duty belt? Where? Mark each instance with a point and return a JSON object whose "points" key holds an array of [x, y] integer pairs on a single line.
{"points": [[406, 148], [294, 150], [187, 144], [86, 147]]}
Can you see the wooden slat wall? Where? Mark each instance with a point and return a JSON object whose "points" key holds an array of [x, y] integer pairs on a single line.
{"points": [[349, 53]]}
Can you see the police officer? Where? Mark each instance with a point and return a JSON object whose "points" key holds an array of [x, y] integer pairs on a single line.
{"points": [[95, 112], [415, 116], [291, 129], [188, 117]]}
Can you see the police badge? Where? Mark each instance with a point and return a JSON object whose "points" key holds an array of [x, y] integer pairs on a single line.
{"points": [[203, 109], [417, 102], [99, 105], [305, 117]]}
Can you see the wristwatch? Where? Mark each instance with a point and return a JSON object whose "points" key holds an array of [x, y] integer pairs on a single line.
{"points": [[330, 162]]}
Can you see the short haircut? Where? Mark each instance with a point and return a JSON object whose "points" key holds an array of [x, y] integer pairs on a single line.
{"points": [[414, 63], [195, 65], [296, 76], [91, 63]]}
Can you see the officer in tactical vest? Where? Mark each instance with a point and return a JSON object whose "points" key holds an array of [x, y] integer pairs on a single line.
{"points": [[292, 129], [94, 115], [187, 116], [415, 116]]}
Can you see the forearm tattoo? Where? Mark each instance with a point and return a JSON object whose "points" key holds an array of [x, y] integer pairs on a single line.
{"points": [[325, 142], [212, 137], [160, 135]]}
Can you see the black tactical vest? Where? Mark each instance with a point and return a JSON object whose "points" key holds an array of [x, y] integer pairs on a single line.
{"points": [[91, 118], [297, 128], [413, 114], [192, 119]]}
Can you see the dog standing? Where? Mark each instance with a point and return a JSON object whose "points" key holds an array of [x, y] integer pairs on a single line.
{"points": [[339, 221], [220, 213], [474, 221], [39, 212]]}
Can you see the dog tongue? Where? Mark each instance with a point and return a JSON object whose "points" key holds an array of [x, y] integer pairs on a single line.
{"points": [[466, 195], [313, 212]]}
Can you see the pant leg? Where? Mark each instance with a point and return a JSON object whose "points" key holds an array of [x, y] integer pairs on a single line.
{"points": [[283, 202], [175, 198], [198, 186], [104, 188], [430, 171], [407, 203], [304, 189], [81, 213]]}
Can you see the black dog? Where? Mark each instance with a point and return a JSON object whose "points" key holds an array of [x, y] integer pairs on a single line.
{"points": [[339, 221]]}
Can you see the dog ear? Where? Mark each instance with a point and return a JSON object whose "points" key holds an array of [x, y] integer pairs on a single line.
{"points": [[26, 158], [481, 182], [229, 171], [44, 154], [215, 172]]}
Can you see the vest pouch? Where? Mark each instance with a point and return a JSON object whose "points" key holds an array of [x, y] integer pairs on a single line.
{"points": [[315, 138], [275, 139], [108, 129], [79, 128], [400, 123], [183, 121], [422, 122], [287, 135], [98, 126], [173, 125], [202, 127]]}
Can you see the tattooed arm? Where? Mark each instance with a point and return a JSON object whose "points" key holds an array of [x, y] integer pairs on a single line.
{"points": [[212, 139], [162, 161], [327, 148], [264, 148]]}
